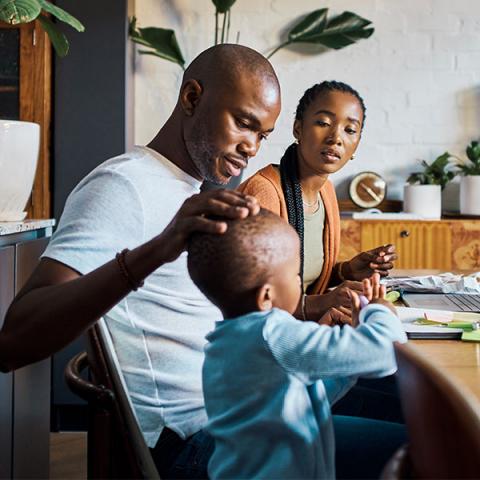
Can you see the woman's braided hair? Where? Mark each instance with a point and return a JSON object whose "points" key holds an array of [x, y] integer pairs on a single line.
{"points": [[288, 164]]}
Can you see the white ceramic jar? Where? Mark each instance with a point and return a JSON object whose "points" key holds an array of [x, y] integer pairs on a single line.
{"points": [[19, 146], [470, 195], [423, 200]]}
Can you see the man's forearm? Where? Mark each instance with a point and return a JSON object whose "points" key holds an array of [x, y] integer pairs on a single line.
{"points": [[46, 318]]}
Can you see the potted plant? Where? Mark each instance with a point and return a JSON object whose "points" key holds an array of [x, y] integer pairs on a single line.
{"points": [[470, 181], [423, 191]]}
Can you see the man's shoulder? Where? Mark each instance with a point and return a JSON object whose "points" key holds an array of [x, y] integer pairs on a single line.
{"points": [[141, 169]]}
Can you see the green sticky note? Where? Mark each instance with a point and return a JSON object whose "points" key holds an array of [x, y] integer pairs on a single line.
{"points": [[471, 336]]}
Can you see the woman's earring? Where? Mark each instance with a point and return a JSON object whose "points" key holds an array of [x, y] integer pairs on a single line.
{"points": [[297, 142], [352, 157]]}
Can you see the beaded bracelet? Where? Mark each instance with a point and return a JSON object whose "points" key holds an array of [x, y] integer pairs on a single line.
{"points": [[131, 282]]}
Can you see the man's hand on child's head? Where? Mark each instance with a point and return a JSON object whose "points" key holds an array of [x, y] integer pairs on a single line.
{"points": [[204, 212]]}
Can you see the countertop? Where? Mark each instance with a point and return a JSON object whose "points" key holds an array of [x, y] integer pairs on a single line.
{"points": [[8, 228]]}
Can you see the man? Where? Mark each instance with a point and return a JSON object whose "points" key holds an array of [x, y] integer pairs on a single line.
{"points": [[108, 257]]}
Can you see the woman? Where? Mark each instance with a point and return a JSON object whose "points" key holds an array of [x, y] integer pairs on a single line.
{"points": [[327, 128]]}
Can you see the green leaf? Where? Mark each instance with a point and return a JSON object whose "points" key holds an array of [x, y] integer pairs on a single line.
{"points": [[19, 11], [161, 40], [62, 15], [436, 173], [473, 152], [311, 25], [337, 32], [58, 39], [222, 6]]}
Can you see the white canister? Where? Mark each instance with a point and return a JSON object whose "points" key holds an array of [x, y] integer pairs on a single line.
{"points": [[19, 144], [423, 200], [470, 195]]}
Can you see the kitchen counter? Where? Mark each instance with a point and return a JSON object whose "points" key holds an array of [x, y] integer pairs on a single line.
{"points": [[7, 228], [14, 232]]}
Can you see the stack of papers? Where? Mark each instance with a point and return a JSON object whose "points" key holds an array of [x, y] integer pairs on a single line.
{"points": [[409, 316], [443, 283]]}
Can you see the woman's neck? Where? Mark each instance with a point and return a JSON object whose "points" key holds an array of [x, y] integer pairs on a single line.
{"points": [[310, 181]]}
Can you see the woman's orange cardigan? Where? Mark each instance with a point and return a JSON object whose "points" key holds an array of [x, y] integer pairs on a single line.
{"points": [[266, 187]]}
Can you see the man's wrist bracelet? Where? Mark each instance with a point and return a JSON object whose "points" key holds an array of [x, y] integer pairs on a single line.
{"points": [[127, 275]]}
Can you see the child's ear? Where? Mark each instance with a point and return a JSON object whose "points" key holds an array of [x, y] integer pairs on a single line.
{"points": [[264, 298]]}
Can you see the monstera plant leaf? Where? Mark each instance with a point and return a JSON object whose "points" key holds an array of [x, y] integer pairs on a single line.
{"points": [[162, 41], [223, 6], [25, 11], [337, 32], [62, 15], [19, 11], [58, 39]]}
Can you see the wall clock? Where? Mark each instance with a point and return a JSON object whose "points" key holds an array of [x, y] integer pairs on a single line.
{"points": [[367, 189]]}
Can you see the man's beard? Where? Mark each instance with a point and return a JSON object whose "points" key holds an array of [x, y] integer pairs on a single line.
{"points": [[203, 154]]}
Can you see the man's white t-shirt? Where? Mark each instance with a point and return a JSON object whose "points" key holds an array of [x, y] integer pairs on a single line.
{"points": [[159, 330]]}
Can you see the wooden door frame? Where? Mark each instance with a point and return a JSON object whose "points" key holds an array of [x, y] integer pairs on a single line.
{"points": [[35, 106]]}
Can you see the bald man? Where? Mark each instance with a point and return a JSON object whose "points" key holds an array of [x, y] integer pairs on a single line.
{"points": [[119, 252]]}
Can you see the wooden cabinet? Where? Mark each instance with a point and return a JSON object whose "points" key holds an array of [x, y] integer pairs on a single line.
{"points": [[444, 244], [25, 393], [25, 94]]}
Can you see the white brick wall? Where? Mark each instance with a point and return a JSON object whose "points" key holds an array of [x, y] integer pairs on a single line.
{"points": [[419, 74]]}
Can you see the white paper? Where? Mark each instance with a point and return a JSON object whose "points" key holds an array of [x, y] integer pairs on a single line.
{"points": [[443, 283], [409, 315]]}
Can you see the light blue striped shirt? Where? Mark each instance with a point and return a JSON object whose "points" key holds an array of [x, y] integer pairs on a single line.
{"points": [[267, 404]]}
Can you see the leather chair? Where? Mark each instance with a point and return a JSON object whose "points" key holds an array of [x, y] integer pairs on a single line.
{"points": [[116, 447], [443, 422]]}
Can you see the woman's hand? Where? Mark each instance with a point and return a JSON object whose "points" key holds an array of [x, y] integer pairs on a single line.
{"points": [[335, 316], [339, 298], [379, 260]]}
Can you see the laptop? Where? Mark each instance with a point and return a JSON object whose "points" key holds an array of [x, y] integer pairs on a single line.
{"points": [[453, 302]]}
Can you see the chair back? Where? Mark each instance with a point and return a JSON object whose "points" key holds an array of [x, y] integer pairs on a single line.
{"points": [[116, 446], [443, 419]]}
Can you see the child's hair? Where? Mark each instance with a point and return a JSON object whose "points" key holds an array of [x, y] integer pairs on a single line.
{"points": [[229, 268]]}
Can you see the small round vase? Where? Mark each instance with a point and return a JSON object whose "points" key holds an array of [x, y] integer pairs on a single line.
{"points": [[423, 200], [19, 145], [470, 195]]}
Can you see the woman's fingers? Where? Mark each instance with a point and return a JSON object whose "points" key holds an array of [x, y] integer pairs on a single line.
{"points": [[353, 285], [335, 317]]}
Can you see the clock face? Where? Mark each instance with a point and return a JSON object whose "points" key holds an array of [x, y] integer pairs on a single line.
{"points": [[367, 189]]}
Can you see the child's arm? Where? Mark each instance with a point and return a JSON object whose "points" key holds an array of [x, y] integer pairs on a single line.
{"points": [[311, 351]]}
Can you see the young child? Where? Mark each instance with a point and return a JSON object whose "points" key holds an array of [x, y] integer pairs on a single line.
{"points": [[268, 409]]}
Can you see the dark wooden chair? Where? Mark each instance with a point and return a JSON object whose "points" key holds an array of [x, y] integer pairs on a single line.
{"points": [[443, 422], [116, 447]]}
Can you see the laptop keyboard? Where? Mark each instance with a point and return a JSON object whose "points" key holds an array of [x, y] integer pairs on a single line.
{"points": [[465, 302]]}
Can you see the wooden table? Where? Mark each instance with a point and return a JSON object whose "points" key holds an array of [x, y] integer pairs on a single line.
{"points": [[459, 359]]}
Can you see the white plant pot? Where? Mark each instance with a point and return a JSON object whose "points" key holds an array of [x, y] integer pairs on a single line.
{"points": [[470, 195], [423, 200], [19, 144]]}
